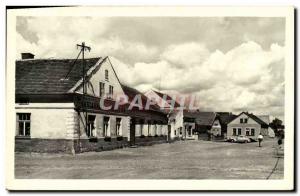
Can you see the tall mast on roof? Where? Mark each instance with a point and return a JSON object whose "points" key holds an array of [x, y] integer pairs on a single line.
{"points": [[83, 48]]}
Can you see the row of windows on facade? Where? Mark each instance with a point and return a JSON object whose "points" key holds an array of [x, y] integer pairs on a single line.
{"points": [[24, 122], [188, 130], [102, 87], [238, 131], [24, 126], [106, 130]]}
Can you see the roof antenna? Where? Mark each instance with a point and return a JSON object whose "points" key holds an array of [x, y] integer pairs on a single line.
{"points": [[73, 65]]}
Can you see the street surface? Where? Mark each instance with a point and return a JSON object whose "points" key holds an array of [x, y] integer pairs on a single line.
{"points": [[179, 160]]}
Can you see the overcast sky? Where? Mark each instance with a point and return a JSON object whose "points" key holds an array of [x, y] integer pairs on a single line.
{"points": [[230, 64]]}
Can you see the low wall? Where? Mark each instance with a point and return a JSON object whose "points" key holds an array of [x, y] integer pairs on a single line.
{"points": [[147, 141], [82, 145], [44, 145], [99, 144]]}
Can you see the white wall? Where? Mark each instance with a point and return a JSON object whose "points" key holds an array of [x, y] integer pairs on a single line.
{"points": [[99, 76], [250, 124], [49, 120]]}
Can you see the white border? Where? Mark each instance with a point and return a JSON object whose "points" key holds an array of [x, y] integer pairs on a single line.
{"points": [[285, 184]]}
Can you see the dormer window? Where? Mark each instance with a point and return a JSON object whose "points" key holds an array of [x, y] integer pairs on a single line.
{"points": [[106, 75]]}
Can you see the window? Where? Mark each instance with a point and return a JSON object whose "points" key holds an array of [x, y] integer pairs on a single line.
{"points": [[243, 120], [101, 89], [106, 126], [234, 131], [91, 126], [247, 131], [118, 127], [106, 75], [111, 91], [23, 124], [253, 132], [239, 131]]}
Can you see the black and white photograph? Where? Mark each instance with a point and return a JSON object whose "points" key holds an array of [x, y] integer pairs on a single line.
{"points": [[180, 97]]}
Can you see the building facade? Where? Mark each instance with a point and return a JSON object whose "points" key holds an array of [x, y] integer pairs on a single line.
{"points": [[246, 124], [54, 115]]}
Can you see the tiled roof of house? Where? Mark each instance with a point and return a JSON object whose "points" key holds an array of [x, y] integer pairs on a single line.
{"points": [[46, 76], [132, 93], [258, 120], [255, 118], [167, 97], [201, 118], [225, 117]]}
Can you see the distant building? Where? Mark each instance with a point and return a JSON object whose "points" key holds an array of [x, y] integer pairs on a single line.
{"points": [[190, 124], [246, 124], [269, 132], [224, 118], [164, 101]]}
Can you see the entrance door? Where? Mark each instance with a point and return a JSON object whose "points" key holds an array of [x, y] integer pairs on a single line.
{"points": [[132, 132]]}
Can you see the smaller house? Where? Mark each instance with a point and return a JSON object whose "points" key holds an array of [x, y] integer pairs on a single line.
{"points": [[269, 132], [246, 124], [224, 118], [216, 128]]}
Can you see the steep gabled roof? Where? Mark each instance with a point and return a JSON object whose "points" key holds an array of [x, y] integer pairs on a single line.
{"points": [[225, 117], [47, 76], [167, 97], [132, 93], [255, 118], [201, 118]]}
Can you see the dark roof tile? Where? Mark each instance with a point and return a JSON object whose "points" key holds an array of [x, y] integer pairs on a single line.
{"points": [[44, 76]]}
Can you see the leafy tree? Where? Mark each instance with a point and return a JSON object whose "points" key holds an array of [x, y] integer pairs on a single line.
{"points": [[277, 126]]}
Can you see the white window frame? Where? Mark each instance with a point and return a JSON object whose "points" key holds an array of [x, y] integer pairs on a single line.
{"points": [[24, 124]]}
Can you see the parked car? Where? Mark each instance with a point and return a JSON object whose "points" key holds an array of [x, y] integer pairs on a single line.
{"points": [[242, 139], [230, 139]]}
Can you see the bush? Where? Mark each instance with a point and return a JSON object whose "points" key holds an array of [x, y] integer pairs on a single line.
{"points": [[142, 136], [156, 135]]}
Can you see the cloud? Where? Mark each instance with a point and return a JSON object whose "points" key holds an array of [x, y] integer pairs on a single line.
{"points": [[231, 64], [186, 54], [246, 78]]}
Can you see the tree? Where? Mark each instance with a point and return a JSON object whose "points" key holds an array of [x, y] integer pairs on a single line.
{"points": [[277, 126]]}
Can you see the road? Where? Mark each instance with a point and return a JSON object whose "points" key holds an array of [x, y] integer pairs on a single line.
{"points": [[179, 160]]}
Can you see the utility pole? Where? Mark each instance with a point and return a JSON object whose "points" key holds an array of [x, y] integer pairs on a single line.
{"points": [[83, 48]]}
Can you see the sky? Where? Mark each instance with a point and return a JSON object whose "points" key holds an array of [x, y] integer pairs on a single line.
{"points": [[231, 64]]}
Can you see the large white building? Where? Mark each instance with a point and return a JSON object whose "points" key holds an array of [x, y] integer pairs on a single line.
{"points": [[51, 106]]}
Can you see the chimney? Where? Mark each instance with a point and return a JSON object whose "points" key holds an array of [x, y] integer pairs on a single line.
{"points": [[27, 55]]}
